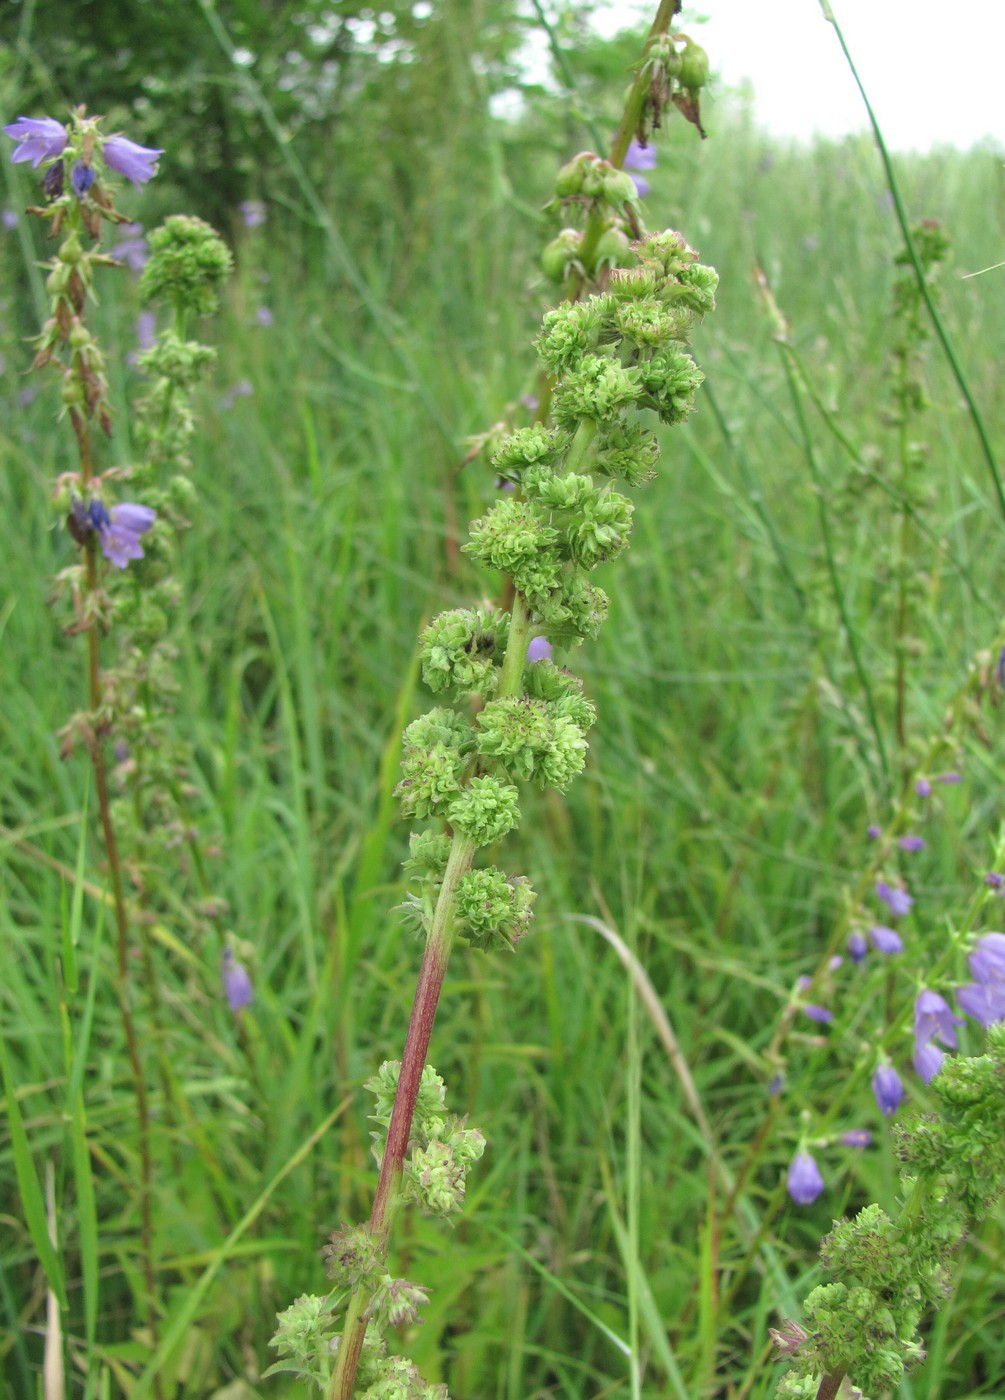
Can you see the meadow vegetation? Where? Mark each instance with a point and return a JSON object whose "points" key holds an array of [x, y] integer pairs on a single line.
{"points": [[803, 639]]}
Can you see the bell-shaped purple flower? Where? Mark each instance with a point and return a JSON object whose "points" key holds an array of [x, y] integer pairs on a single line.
{"points": [[886, 940], [985, 1002], [81, 178], [933, 1017], [539, 649], [923, 787], [120, 529], [927, 1060], [135, 162], [895, 897], [38, 139], [910, 842], [639, 157], [987, 961], [857, 1137], [236, 982], [805, 1182], [856, 945], [888, 1089], [252, 212]]}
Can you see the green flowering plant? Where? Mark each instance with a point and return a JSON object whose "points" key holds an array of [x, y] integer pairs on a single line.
{"points": [[121, 587], [614, 357]]}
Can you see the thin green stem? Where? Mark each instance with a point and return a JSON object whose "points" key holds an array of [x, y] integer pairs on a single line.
{"points": [[919, 272], [82, 432]]}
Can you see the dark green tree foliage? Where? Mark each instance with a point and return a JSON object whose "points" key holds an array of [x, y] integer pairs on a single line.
{"points": [[415, 77]]}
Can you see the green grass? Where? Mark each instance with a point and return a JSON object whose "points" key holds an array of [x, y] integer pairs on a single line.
{"points": [[721, 819]]}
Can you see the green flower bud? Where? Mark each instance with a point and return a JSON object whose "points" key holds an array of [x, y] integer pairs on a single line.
{"points": [[576, 609], [511, 533], [697, 288], [562, 690], [459, 650], [429, 852], [443, 726], [618, 187], [693, 73], [614, 249], [485, 810], [571, 331], [647, 324], [669, 382], [632, 283], [598, 388], [517, 731], [600, 529], [569, 181], [558, 256], [493, 912], [352, 1256], [432, 778], [528, 448], [628, 451], [396, 1303], [58, 280], [566, 756], [188, 260], [71, 250]]}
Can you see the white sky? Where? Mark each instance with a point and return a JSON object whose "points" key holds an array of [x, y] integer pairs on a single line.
{"points": [[934, 72]]}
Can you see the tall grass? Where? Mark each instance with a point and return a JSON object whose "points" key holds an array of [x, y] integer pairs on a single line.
{"points": [[722, 815]]}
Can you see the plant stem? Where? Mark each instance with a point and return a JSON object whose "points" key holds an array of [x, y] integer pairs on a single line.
{"points": [[413, 1059], [96, 750]]}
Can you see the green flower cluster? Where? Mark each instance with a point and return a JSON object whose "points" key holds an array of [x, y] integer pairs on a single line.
{"points": [[307, 1344], [612, 356], [440, 1147], [888, 1272]]}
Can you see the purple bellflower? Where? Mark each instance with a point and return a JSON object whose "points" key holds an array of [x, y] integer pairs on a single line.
{"points": [[888, 1089], [985, 1002], [993, 880], [639, 157], [911, 843], [811, 1009], [236, 982], [873, 831], [252, 212], [895, 897], [857, 1137], [539, 649], [38, 139], [933, 1018], [927, 1060], [120, 529], [81, 178], [923, 787], [949, 778], [856, 945], [805, 1182], [984, 998], [135, 162], [886, 940]]}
